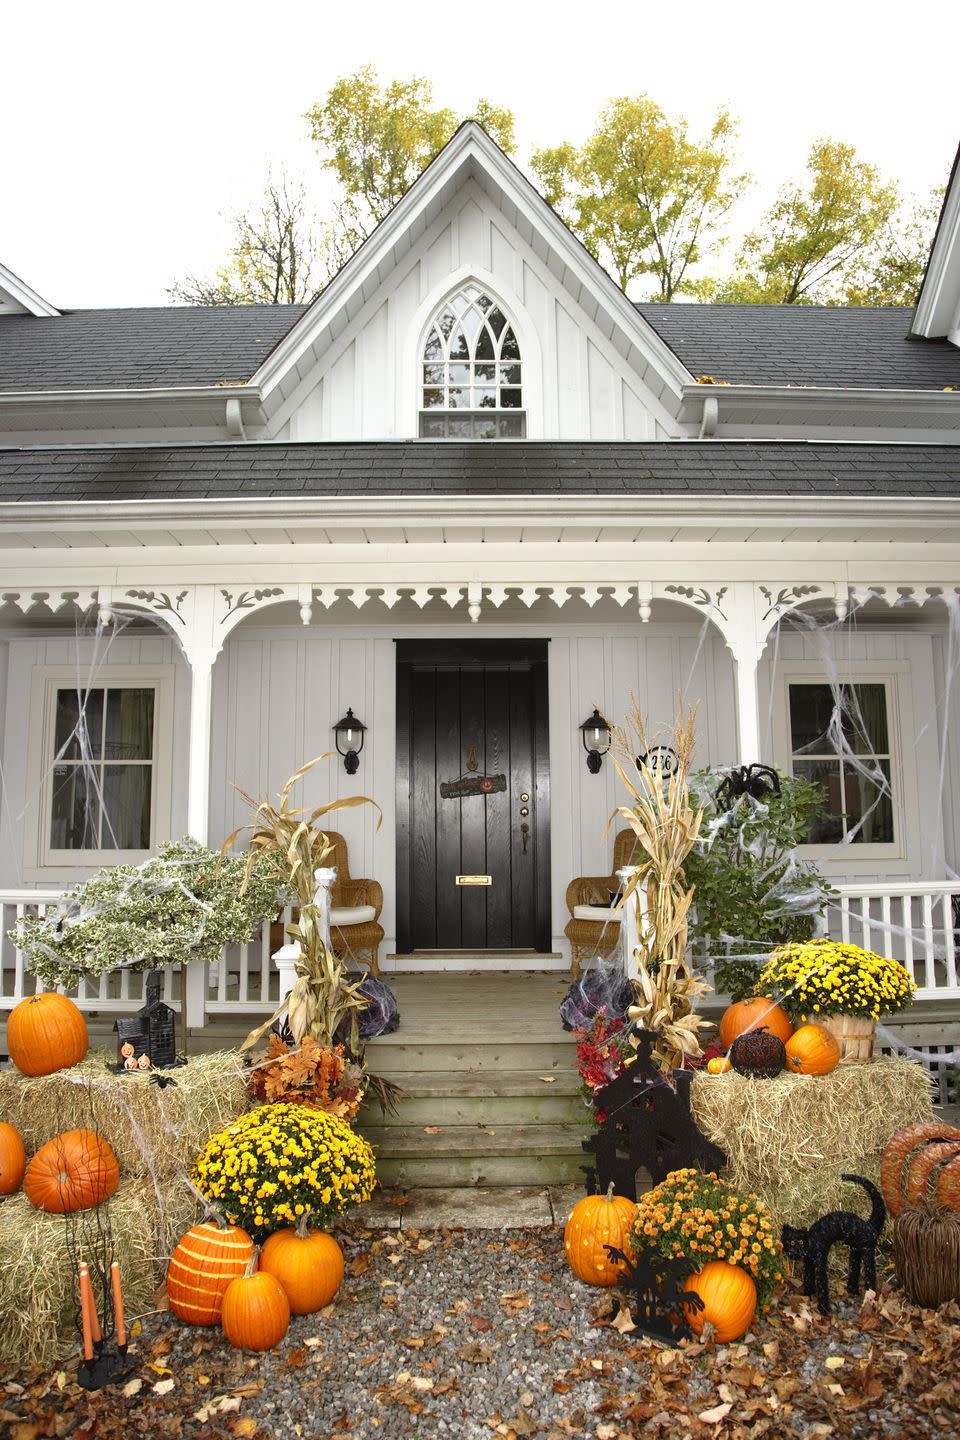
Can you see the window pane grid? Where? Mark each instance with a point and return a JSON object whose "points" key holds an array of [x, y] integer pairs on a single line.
{"points": [[102, 800], [471, 365], [842, 744]]}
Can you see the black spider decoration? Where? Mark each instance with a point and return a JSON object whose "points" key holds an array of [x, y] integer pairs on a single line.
{"points": [[760, 782]]}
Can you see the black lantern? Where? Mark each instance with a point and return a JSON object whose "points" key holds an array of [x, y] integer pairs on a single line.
{"points": [[349, 732], [596, 741]]}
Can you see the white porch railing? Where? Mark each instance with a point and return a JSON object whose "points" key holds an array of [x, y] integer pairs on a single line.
{"points": [[242, 982], [915, 923]]}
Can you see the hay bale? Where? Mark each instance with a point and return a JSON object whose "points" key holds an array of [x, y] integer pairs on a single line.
{"points": [[790, 1139], [37, 1305], [149, 1126]]}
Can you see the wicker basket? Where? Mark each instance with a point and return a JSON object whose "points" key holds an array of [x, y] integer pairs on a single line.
{"points": [[854, 1034]]}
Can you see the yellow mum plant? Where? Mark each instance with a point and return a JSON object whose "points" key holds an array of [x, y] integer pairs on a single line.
{"points": [[279, 1162], [826, 977]]}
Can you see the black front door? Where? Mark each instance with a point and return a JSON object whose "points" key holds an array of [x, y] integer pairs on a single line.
{"points": [[473, 796]]}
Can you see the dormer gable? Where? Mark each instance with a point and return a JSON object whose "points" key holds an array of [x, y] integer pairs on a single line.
{"points": [[19, 298], [937, 314]]}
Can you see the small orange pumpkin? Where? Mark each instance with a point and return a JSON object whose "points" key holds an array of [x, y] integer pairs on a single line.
{"points": [[750, 1014], [812, 1050], [207, 1258], [73, 1171], [46, 1033], [256, 1312], [594, 1222], [729, 1298], [308, 1264], [13, 1159], [719, 1065]]}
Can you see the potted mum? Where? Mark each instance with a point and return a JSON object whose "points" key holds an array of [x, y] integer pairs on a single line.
{"points": [[841, 987]]}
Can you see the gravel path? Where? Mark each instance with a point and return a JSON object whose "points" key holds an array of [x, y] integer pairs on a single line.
{"points": [[480, 1333]]}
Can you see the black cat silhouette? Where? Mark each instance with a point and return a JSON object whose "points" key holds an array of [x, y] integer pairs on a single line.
{"points": [[839, 1227]]}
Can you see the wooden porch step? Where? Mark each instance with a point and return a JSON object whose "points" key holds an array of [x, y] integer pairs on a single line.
{"points": [[493, 1098], [478, 1154]]}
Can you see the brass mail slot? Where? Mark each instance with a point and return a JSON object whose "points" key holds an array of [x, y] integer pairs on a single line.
{"points": [[474, 879]]}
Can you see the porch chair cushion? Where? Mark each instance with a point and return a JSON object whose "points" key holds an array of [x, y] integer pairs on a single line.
{"points": [[596, 912], [352, 914]]}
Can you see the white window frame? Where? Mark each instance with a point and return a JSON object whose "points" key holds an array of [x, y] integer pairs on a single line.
{"points": [[895, 676], [43, 860]]}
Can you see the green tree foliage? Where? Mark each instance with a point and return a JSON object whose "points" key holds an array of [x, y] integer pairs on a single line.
{"points": [[752, 890], [277, 257], [645, 198], [376, 139], [842, 236]]}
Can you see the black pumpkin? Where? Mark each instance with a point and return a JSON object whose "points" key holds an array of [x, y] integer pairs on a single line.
{"points": [[758, 1053]]}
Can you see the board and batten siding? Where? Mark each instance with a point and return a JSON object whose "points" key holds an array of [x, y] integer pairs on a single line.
{"points": [[277, 695], [576, 383]]}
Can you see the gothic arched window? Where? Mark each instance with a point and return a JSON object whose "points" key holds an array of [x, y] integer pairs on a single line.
{"points": [[471, 380]]}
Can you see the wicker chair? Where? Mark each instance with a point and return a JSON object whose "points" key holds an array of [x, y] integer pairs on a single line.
{"points": [[600, 935], [359, 937]]}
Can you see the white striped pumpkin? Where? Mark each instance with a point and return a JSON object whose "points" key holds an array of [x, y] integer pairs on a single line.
{"points": [[205, 1261]]}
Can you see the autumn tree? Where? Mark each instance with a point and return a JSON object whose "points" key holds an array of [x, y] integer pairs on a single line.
{"points": [[377, 139], [278, 255], [842, 236], [645, 198]]}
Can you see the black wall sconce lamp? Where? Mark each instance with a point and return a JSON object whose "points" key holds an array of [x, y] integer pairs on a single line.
{"points": [[595, 733], [349, 733]]}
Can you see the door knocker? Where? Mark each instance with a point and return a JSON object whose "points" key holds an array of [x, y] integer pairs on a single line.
{"points": [[473, 758]]}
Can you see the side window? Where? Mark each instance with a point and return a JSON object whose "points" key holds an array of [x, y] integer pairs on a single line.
{"points": [[471, 372], [101, 795], [841, 738]]}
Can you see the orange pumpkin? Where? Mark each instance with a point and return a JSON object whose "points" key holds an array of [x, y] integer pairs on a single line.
{"points": [[256, 1311], [46, 1033], [206, 1260], [13, 1159], [308, 1264], [719, 1065], [729, 1298], [594, 1222], [812, 1050], [922, 1163], [73, 1171], [749, 1015]]}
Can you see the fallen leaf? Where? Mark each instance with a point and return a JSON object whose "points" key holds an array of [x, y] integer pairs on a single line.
{"points": [[480, 1322], [244, 1426], [548, 1079], [433, 1130], [475, 1353], [163, 1387], [622, 1321], [132, 1387], [833, 1362], [718, 1413], [159, 1369]]}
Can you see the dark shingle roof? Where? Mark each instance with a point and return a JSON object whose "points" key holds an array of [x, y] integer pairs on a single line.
{"points": [[854, 346], [685, 469], [165, 345]]}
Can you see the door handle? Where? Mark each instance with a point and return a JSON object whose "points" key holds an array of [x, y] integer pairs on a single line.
{"points": [[525, 835]]}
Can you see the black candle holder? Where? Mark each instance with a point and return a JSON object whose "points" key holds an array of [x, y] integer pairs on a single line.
{"points": [[109, 1366]]}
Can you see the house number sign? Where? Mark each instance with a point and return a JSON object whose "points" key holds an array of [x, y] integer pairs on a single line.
{"points": [[472, 785]]}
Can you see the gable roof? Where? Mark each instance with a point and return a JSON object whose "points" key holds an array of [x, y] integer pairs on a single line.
{"points": [[811, 345], [938, 304], [276, 471], [161, 346], [19, 298]]}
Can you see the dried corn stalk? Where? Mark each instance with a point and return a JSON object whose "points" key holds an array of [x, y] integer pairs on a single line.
{"points": [[666, 826]]}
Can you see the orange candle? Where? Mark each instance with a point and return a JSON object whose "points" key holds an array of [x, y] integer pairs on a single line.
{"points": [[118, 1303], [85, 1281], [85, 1313]]}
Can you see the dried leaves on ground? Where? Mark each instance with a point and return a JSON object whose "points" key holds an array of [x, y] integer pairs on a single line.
{"points": [[479, 1334]]}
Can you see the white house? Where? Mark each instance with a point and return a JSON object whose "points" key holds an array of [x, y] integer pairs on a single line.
{"points": [[470, 493]]}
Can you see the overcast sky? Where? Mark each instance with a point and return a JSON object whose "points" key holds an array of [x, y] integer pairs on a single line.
{"points": [[129, 134]]}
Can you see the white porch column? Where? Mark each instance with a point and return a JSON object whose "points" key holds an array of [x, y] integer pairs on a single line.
{"points": [[198, 763], [745, 641]]}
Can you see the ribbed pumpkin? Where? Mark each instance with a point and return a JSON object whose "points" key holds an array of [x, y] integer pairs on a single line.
{"points": [[256, 1312], [749, 1015], [594, 1222], [812, 1050], [921, 1163], [729, 1298], [758, 1054], [13, 1159], [73, 1171], [206, 1260], [46, 1033], [308, 1263]]}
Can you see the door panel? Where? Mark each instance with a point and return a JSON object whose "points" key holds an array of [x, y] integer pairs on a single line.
{"points": [[467, 711]]}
